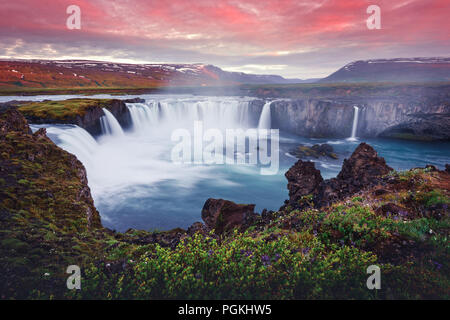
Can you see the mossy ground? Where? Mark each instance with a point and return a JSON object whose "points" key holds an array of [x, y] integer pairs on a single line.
{"points": [[63, 109], [308, 254]]}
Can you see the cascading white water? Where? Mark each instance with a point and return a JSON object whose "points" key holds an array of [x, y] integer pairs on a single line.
{"points": [[110, 125], [265, 120], [74, 139], [131, 173], [143, 116], [163, 116], [355, 124]]}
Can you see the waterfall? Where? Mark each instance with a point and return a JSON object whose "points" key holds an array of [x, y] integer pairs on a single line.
{"points": [[143, 116], [355, 124], [73, 139], [265, 119], [110, 125], [164, 115]]}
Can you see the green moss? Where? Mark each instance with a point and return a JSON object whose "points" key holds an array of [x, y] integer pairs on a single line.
{"points": [[306, 254], [62, 110]]}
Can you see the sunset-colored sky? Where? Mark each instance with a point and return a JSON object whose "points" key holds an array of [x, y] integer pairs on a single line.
{"points": [[292, 38]]}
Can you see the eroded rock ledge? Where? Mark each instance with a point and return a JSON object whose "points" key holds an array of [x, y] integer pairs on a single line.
{"points": [[307, 187], [83, 112]]}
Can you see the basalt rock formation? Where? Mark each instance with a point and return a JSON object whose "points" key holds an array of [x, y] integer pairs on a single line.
{"points": [[85, 113], [223, 215], [303, 180], [316, 151], [307, 187], [400, 117], [27, 159]]}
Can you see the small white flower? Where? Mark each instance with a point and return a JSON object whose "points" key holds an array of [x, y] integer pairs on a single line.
{"points": [[46, 274], [431, 231]]}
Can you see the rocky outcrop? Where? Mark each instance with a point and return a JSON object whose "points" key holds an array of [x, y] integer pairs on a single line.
{"points": [[303, 180], [362, 167], [307, 188], [316, 151], [91, 120], [313, 118], [52, 179], [85, 113], [223, 215], [426, 127], [11, 120]]}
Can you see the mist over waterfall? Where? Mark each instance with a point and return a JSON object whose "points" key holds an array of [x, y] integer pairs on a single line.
{"points": [[355, 124], [135, 183], [163, 115], [265, 121], [130, 172]]}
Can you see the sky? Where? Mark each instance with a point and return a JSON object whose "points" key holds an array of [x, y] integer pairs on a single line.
{"points": [[292, 38]]}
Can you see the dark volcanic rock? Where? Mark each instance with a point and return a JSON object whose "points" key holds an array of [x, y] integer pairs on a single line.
{"points": [[391, 209], [29, 162], [303, 179], [168, 239], [316, 151], [197, 227], [223, 215], [363, 169], [421, 114], [12, 120], [427, 127]]}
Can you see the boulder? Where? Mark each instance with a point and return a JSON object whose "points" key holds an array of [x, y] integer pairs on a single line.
{"points": [[12, 120], [197, 227], [316, 151], [364, 168], [224, 215], [303, 180]]}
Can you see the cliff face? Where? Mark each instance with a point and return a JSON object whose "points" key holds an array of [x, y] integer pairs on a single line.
{"points": [[312, 118], [387, 118], [46, 208], [85, 113]]}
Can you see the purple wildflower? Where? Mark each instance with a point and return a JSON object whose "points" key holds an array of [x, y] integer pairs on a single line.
{"points": [[437, 264], [265, 260]]}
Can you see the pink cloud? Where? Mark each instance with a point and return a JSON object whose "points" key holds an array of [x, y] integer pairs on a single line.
{"points": [[231, 27]]}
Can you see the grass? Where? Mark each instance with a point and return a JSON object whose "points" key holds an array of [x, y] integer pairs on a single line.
{"points": [[300, 254], [62, 110]]}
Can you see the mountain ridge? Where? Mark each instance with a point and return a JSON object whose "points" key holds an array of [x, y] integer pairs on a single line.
{"points": [[393, 70], [35, 73]]}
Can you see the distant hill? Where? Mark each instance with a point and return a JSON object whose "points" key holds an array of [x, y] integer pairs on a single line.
{"points": [[19, 74], [393, 70]]}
